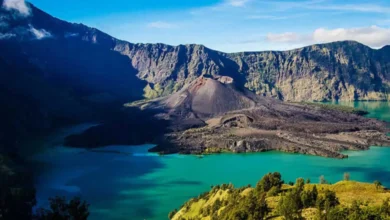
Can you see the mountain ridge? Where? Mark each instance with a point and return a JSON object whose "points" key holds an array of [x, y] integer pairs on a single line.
{"points": [[169, 67], [163, 77], [70, 70]]}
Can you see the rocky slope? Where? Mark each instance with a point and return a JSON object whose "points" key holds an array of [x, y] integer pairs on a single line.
{"points": [[211, 116], [335, 71]]}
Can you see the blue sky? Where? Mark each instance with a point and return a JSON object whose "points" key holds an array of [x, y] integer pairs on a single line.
{"points": [[232, 25]]}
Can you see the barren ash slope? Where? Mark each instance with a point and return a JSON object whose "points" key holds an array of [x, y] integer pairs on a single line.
{"points": [[214, 115]]}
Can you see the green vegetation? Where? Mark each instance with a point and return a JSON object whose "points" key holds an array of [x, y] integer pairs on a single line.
{"points": [[323, 180], [159, 90], [150, 93], [135, 103], [377, 184], [61, 209], [270, 183], [347, 176], [272, 199], [17, 194], [342, 108]]}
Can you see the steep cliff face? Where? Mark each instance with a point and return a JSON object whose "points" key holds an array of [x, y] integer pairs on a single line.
{"points": [[167, 69], [341, 70], [336, 71]]}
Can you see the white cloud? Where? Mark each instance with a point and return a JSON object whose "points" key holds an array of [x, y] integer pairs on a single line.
{"points": [[276, 17], [266, 17], [373, 36], [161, 25], [40, 34], [350, 7], [18, 5], [68, 35], [323, 5], [237, 3], [6, 36], [383, 22], [224, 5]]}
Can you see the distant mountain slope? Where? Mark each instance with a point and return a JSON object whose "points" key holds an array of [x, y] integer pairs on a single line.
{"points": [[342, 70], [55, 73]]}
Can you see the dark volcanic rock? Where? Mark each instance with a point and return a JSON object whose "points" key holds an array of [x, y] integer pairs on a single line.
{"points": [[239, 121]]}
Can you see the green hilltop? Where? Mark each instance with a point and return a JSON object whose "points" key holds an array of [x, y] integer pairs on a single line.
{"points": [[271, 198]]}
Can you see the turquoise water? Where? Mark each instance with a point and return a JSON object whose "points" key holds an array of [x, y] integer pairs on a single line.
{"points": [[140, 185]]}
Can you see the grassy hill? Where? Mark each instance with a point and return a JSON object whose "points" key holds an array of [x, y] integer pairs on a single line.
{"points": [[343, 200]]}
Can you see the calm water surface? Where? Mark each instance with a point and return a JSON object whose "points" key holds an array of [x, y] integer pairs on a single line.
{"points": [[141, 185]]}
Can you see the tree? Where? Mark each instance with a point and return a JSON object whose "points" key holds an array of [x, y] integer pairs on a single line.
{"points": [[308, 181], [288, 208], [347, 176], [300, 185], [17, 202], [297, 192], [240, 215], [355, 212], [60, 209], [17, 193], [274, 191], [314, 194], [268, 181], [306, 199], [256, 206], [309, 198], [385, 208], [328, 198], [172, 213], [217, 205], [252, 206], [262, 207], [323, 180], [377, 184], [335, 213]]}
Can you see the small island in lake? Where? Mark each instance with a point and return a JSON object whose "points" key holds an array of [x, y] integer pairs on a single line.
{"points": [[213, 116]]}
